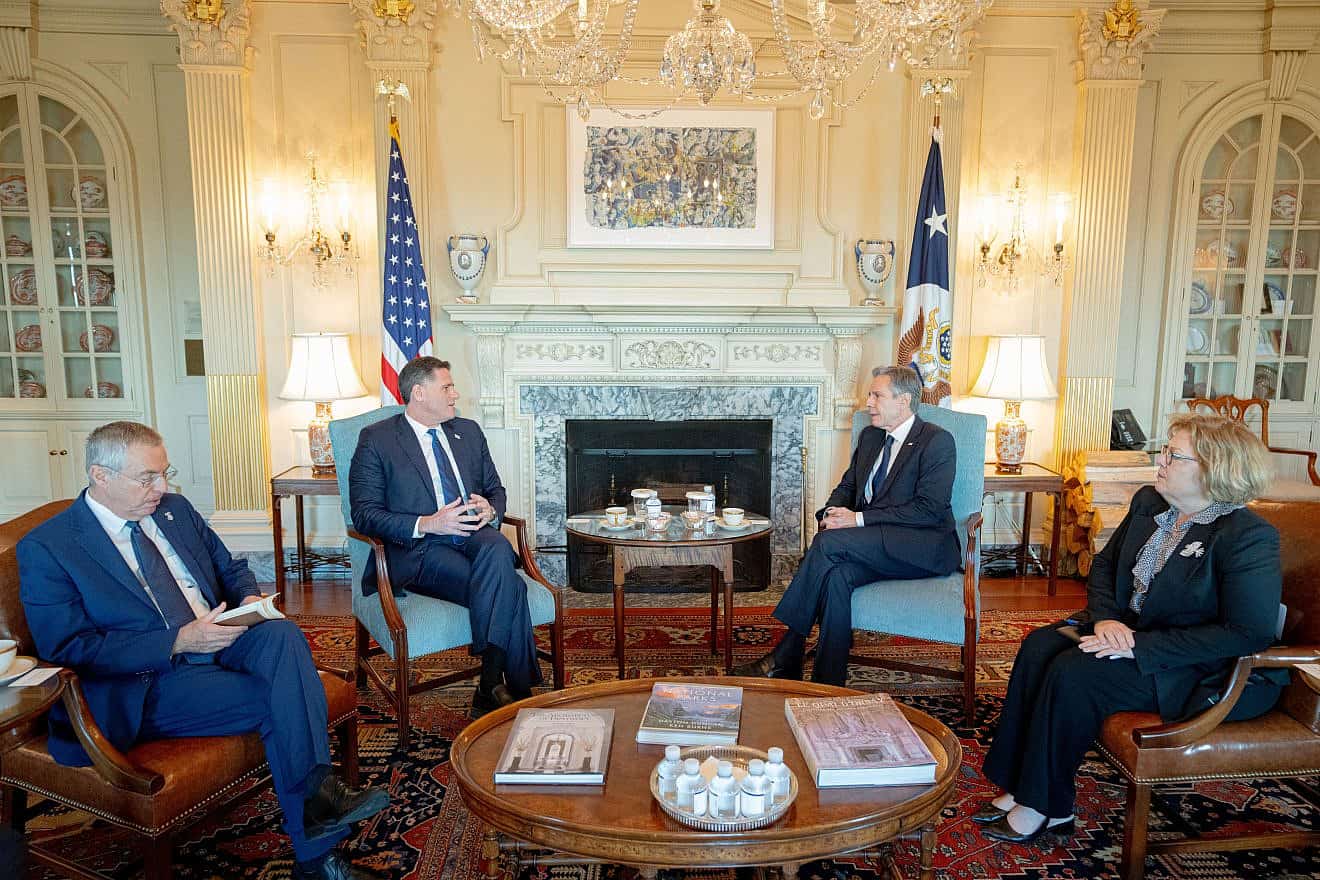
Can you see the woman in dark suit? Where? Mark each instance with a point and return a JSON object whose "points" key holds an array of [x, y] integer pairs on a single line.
{"points": [[1189, 581]]}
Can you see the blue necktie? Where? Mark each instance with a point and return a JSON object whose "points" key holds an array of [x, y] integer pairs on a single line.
{"points": [[448, 481], [879, 479], [160, 582]]}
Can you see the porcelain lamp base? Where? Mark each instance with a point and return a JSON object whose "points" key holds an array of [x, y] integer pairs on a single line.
{"points": [[1010, 439], [318, 439]]}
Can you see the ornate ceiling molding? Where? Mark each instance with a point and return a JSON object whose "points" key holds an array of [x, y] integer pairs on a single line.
{"points": [[1114, 41], [390, 40], [217, 39]]}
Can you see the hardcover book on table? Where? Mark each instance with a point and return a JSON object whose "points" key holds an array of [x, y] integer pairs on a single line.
{"points": [[862, 740], [691, 714], [557, 746]]}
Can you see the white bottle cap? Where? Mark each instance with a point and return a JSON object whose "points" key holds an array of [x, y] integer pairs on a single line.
{"points": [[756, 767], [672, 753], [724, 768], [776, 755], [692, 766]]}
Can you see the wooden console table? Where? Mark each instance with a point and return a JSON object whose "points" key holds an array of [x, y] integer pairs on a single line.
{"points": [[299, 482], [1034, 478]]}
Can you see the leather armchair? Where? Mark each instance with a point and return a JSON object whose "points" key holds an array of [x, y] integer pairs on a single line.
{"points": [[154, 790], [1284, 742]]}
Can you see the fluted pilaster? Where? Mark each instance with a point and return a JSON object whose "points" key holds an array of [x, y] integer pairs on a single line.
{"points": [[1109, 75], [400, 49], [220, 141], [16, 39]]}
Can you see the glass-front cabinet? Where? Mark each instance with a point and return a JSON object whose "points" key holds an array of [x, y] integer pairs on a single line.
{"points": [[1250, 308], [65, 319]]}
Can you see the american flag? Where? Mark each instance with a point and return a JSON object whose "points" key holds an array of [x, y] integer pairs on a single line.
{"points": [[926, 341], [406, 331]]}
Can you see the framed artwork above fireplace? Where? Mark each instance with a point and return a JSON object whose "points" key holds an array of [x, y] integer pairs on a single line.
{"points": [[682, 179]]}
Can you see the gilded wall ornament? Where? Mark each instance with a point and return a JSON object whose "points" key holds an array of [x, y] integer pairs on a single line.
{"points": [[1122, 23], [397, 9], [206, 11]]}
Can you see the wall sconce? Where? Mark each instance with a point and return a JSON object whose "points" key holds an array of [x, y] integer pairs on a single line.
{"points": [[1016, 257], [316, 242]]}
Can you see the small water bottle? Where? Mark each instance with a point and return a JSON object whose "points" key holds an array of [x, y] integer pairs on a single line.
{"points": [[692, 788], [755, 787], [724, 793], [776, 771], [668, 772], [708, 500]]}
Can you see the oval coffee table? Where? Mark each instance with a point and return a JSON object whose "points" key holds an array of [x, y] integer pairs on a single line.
{"points": [[677, 545], [619, 821]]}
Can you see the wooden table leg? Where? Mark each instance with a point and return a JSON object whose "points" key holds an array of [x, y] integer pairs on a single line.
{"points": [[489, 864], [928, 841], [714, 610], [277, 531], [728, 607], [619, 575], [304, 570], [1054, 542], [1026, 536]]}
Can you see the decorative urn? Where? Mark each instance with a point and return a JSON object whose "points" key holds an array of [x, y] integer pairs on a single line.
{"points": [[467, 260], [875, 263]]}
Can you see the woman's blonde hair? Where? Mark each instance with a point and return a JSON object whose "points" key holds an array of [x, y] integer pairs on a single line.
{"points": [[1235, 465]]}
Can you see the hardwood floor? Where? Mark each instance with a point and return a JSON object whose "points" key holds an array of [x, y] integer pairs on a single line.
{"points": [[997, 594]]}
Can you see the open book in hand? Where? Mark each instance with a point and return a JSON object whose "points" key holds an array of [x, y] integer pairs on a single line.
{"points": [[252, 613]]}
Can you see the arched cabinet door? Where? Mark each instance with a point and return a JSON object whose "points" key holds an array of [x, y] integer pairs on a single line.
{"points": [[1246, 322], [68, 339]]}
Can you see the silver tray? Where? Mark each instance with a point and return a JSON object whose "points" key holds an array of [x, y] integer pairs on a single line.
{"points": [[739, 757]]}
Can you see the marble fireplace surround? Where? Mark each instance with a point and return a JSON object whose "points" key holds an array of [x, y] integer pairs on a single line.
{"points": [[541, 365]]}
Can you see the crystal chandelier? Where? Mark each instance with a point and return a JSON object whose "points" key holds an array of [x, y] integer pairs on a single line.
{"points": [[317, 242], [709, 54], [1007, 219]]}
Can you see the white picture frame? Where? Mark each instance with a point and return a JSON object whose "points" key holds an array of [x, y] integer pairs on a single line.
{"points": [[758, 206]]}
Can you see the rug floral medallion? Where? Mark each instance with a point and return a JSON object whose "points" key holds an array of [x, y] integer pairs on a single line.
{"points": [[427, 834]]}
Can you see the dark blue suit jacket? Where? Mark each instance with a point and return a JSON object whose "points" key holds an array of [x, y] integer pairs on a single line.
{"points": [[389, 486], [1203, 610], [87, 611], [913, 503]]}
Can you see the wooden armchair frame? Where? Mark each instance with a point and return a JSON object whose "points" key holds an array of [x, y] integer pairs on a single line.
{"points": [[1236, 408], [403, 687]]}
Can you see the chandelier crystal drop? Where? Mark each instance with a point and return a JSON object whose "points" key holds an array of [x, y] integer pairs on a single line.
{"points": [[519, 15], [708, 55]]}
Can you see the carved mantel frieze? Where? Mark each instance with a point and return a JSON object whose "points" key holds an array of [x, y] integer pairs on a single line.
{"points": [[394, 38], [1113, 42], [211, 34]]}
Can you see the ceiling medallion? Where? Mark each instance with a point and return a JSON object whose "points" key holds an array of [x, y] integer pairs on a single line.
{"points": [[205, 11]]}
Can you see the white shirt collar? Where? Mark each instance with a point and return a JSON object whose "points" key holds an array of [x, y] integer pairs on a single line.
{"points": [[901, 432], [421, 430], [112, 522]]}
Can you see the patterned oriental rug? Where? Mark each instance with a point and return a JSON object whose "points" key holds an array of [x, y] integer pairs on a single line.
{"points": [[428, 835]]}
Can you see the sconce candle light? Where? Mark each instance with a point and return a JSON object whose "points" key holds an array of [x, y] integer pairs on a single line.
{"points": [[317, 241], [1017, 258]]}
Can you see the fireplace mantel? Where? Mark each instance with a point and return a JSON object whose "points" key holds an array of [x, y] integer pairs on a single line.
{"points": [[665, 344]]}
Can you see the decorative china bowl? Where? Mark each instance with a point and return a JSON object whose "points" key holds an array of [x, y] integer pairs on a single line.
{"points": [[96, 285], [23, 287], [16, 247], [28, 386], [104, 388], [660, 522], [1217, 205], [28, 338], [90, 193], [96, 245], [13, 191], [1284, 205]]}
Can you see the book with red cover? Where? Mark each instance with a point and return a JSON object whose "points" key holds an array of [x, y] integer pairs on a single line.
{"points": [[862, 740]]}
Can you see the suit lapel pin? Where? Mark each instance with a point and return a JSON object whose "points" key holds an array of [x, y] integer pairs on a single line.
{"points": [[169, 516], [1193, 549]]}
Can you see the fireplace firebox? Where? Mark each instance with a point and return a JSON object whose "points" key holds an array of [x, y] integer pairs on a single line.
{"points": [[607, 459]]}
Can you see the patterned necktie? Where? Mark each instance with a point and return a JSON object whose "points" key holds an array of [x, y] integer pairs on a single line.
{"points": [[879, 479], [448, 481], [161, 584]]}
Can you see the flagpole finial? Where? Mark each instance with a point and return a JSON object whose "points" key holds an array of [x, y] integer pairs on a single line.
{"points": [[393, 88]]}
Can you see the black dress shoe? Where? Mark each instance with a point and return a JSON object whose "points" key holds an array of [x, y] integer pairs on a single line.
{"points": [[332, 866], [988, 813], [335, 805], [1001, 830], [769, 666], [484, 701]]}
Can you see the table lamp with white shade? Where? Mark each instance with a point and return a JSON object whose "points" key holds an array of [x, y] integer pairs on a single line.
{"points": [[1015, 370], [321, 370]]}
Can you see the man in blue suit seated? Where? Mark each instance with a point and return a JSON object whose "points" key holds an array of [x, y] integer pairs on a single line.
{"points": [[889, 518], [124, 587], [423, 482]]}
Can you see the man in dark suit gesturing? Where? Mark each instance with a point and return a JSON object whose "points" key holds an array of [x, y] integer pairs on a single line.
{"points": [[424, 483], [124, 587], [889, 518]]}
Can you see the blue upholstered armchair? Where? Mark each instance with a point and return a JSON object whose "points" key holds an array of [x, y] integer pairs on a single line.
{"points": [[414, 625], [937, 609]]}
